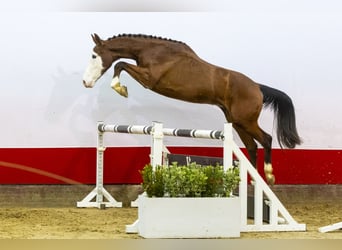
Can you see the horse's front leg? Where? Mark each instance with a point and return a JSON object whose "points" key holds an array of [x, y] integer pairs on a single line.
{"points": [[115, 84], [138, 73]]}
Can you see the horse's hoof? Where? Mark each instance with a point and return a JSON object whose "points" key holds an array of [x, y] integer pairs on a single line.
{"points": [[124, 91], [270, 179]]}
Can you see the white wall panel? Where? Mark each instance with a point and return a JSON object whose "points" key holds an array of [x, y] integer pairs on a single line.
{"points": [[44, 54]]}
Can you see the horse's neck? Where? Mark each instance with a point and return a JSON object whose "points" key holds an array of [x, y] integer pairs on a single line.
{"points": [[132, 48], [127, 48]]}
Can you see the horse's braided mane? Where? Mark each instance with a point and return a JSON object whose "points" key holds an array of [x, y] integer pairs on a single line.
{"points": [[146, 37]]}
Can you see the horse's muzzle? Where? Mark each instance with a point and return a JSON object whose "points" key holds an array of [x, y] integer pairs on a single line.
{"points": [[87, 85]]}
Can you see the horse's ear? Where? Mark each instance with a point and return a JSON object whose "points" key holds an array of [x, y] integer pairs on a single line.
{"points": [[97, 39]]}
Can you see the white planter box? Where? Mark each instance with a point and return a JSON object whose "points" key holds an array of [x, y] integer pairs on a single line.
{"points": [[188, 217]]}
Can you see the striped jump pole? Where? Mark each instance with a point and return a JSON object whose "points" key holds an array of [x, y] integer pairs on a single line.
{"points": [[128, 129], [147, 130], [158, 132]]}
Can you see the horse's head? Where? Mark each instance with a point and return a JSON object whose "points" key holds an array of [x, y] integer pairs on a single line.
{"points": [[100, 61]]}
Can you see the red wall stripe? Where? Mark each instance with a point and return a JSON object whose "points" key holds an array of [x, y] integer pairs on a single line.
{"points": [[122, 165]]}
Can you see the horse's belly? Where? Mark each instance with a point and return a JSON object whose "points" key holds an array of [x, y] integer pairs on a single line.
{"points": [[186, 93]]}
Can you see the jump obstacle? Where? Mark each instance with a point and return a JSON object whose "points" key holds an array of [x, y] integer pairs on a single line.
{"points": [[279, 218]]}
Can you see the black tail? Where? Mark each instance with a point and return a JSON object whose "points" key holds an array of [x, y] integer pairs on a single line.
{"points": [[283, 108]]}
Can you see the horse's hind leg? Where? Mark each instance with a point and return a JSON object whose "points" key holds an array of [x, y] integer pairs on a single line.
{"points": [[249, 143], [268, 170], [252, 148], [266, 141]]}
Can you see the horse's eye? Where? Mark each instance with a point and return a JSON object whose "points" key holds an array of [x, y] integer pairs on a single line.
{"points": [[93, 56]]}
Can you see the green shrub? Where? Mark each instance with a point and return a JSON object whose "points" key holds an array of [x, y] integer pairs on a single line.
{"points": [[189, 181], [153, 182]]}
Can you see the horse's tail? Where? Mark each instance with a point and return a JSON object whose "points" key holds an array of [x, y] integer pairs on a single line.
{"points": [[283, 108]]}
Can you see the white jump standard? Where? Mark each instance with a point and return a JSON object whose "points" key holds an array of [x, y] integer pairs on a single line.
{"points": [[96, 197], [99, 192], [156, 157]]}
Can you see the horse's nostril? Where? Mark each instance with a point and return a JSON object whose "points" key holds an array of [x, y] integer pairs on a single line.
{"points": [[85, 84]]}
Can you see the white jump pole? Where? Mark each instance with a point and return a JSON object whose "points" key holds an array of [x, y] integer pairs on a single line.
{"points": [[329, 228]]}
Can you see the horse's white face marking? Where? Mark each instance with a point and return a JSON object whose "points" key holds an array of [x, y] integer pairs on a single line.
{"points": [[93, 71]]}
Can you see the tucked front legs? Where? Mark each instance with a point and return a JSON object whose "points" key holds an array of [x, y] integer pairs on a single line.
{"points": [[140, 74], [121, 89]]}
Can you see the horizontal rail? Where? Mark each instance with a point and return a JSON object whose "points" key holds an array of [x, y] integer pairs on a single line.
{"points": [[147, 130], [194, 133], [128, 129]]}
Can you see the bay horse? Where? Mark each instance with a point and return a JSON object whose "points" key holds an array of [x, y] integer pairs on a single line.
{"points": [[171, 68]]}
